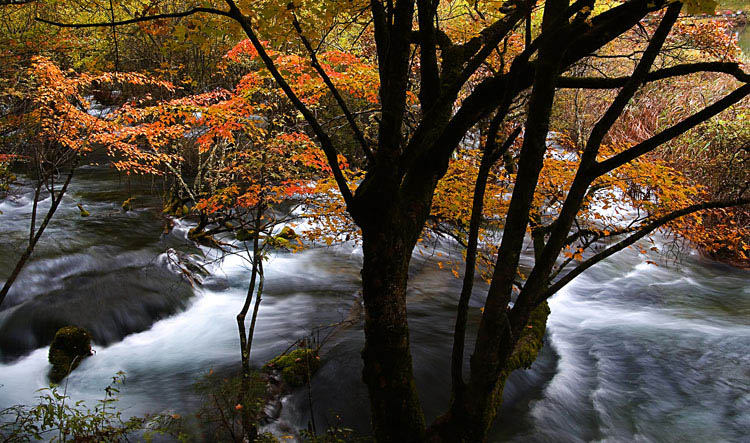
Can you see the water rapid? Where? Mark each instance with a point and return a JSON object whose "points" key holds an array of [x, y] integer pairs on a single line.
{"points": [[634, 351]]}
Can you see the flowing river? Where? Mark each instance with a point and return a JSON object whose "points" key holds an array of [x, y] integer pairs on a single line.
{"points": [[634, 351]]}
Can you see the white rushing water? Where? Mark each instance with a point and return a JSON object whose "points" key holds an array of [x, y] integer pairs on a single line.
{"points": [[635, 352]]}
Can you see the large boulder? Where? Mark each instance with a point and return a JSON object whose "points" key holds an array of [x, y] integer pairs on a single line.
{"points": [[69, 347]]}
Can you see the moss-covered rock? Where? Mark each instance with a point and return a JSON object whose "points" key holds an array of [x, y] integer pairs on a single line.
{"points": [[69, 347], [282, 240], [84, 212], [297, 366], [287, 233], [170, 204], [277, 242], [174, 205]]}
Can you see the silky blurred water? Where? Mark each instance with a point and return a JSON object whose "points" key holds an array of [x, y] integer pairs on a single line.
{"points": [[634, 352]]}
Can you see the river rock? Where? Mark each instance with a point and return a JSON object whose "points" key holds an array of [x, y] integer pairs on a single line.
{"points": [[84, 212], [69, 347], [287, 233], [296, 366], [283, 239]]}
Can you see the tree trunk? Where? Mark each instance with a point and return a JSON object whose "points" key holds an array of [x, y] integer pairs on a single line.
{"points": [[396, 412], [465, 421]]}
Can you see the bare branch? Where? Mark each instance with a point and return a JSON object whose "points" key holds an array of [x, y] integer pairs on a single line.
{"points": [[147, 18], [639, 234]]}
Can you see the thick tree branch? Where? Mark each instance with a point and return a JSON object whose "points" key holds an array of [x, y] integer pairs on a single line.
{"points": [[582, 39], [579, 188], [660, 74], [380, 24], [495, 336], [394, 71], [479, 48], [668, 134], [428, 63], [492, 153]]}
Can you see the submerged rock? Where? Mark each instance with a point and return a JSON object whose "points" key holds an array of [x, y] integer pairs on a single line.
{"points": [[69, 347], [116, 296]]}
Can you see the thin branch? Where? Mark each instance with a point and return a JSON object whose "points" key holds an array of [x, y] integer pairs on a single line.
{"points": [[631, 86], [640, 233], [189, 12], [334, 91], [325, 141], [55, 202]]}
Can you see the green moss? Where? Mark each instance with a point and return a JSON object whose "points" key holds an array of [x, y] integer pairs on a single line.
{"points": [[296, 366], [170, 205], [174, 205], [282, 240], [69, 347], [200, 236], [524, 353], [531, 341], [287, 233], [84, 212], [278, 243]]}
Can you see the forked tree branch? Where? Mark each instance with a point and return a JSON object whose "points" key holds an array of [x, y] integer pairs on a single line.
{"points": [[614, 162]]}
